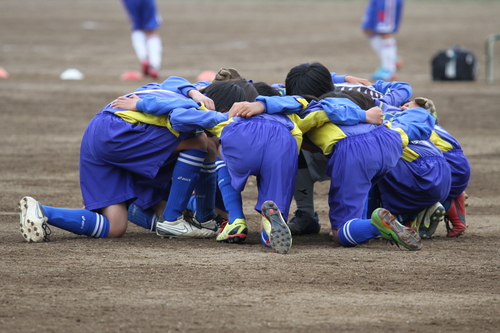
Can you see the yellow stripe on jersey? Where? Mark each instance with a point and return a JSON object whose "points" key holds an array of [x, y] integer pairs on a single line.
{"points": [[303, 102], [202, 107], [138, 117], [296, 132], [404, 136], [326, 136], [442, 145], [314, 119], [319, 129], [217, 129], [409, 154]]}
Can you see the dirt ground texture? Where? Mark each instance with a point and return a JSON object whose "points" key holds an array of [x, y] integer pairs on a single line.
{"points": [[142, 283]]}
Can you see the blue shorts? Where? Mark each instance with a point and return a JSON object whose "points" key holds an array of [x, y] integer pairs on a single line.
{"points": [[143, 14], [120, 161], [383, 16], [460, 171], [412, 186], [357, 162], [266, 149]]}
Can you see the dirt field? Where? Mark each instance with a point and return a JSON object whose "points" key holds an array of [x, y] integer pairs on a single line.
{"points": [[141, 283]]}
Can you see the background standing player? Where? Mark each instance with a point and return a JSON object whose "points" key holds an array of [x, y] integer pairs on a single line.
{"points": [[380, 23], [145, 21]]}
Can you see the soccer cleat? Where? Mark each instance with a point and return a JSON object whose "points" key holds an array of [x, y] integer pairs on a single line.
{"points": [[455, 217], [384, 74], [210, 225], [304, 223], [213, 224], [455, 230], [34, 227], [399, 63], [265, 232], [275, 230], [145, 67], [428, 220], [394, 231], [235, 232], [181, 228], [153, 73]]}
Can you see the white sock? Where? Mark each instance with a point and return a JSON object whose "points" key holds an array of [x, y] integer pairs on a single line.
{"points": [[375, 43], [154, 46], [139, 44], [388, 54]]}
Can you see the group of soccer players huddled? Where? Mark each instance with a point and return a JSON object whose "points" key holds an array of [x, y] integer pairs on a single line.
{"points": [[174, 158]]}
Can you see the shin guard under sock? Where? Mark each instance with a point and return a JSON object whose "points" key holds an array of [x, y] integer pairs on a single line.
{"points": [[356, 232], [185, 175], [78, 221], [205, 192], [232, 198]]}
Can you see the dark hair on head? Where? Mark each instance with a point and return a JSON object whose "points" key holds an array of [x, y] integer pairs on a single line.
{"points": [[309, 79], [224, 94], [265, 89], [363, 100], [248, 88]]}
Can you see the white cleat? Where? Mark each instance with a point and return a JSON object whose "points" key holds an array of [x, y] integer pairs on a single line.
{"points": [[33, 222], [182, 229]]}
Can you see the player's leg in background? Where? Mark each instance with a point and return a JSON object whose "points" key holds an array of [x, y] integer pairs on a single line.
{"points": [[305, 219]]}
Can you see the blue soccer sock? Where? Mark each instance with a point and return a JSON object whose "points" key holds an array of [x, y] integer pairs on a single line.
{"points": [[205, 192], [357, 231], [78, 221], [143, 218], [185, 175], [232, 198]]}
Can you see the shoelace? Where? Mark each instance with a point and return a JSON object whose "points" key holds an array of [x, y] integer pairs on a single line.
{"points": [[189, 218], [220, 221], [222, 225], [46, 232]]}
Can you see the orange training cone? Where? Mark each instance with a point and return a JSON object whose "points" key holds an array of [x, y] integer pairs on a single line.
{"points": [[131, 76], [3, 73]]}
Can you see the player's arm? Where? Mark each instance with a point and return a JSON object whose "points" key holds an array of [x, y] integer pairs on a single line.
{"points": [[349, 79], [188, 120], [182, 86], [152, 104], [417, 123], [395, 93], [342, 111], [269, 104]]}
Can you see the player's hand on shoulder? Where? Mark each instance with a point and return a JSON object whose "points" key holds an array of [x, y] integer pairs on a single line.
{"points": [[126, 103], [246, 109], [200, 98]]}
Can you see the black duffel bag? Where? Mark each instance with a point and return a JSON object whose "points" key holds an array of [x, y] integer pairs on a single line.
{"points": [[454, 64]]}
